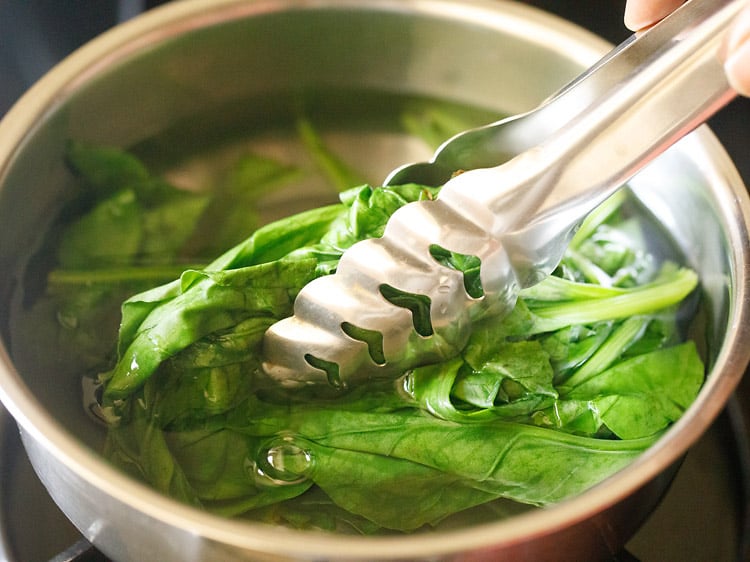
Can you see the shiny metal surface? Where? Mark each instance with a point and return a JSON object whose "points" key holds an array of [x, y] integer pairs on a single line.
{"points": [[573, 152], [181, 61], [697, 26]]}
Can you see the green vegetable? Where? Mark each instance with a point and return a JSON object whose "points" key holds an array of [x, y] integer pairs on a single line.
{"points": [[342, 177], [584, 374], [230, 215], [568, 389], [127, 230]]}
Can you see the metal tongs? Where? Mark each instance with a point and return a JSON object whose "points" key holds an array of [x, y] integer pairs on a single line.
{"points": [[517, 217]]}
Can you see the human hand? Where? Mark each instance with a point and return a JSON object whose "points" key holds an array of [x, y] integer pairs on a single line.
{"points": [[640, 14]]}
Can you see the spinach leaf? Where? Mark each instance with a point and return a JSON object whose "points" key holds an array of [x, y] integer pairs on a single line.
{"points": [[578, 380], [253, 279], [230, 216], [208, 301], [340, 174], [118, 219], [582, 376], [642, 395], [103, 169], [441, 466]]}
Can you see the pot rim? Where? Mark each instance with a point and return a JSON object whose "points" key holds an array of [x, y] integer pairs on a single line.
{"points": [[158, 24]]}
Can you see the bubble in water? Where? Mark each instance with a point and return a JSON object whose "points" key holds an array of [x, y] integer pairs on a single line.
{"points": [[444, 285], [282, 461], [67, 320]]}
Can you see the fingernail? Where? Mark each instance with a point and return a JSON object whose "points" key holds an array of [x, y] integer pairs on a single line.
{"points": [[737, 67]]}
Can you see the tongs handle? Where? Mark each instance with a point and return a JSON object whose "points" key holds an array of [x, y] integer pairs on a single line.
{"points": [[630, 56], [678, 83], [493, 144]]}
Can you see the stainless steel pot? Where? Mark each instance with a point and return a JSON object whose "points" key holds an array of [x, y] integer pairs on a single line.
{"points": [[197, 68]]}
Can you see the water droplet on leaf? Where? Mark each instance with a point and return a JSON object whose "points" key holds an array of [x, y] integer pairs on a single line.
{"points": [[282, 461]]}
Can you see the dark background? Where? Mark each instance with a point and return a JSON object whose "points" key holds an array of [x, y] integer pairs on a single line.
{"points": [[35, 34]]}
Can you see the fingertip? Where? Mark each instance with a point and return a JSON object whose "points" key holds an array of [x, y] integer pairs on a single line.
{"points": [[737, 67], [737, 62], [740, 30], [635, 16], [640, 14]]}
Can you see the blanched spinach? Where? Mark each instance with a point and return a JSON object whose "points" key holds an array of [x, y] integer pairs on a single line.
{"points": [[573, 385], [576, 382]]}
